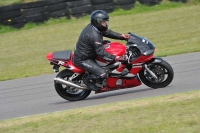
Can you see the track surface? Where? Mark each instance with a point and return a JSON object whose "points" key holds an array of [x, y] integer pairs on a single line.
{"points": [[36, 95]]}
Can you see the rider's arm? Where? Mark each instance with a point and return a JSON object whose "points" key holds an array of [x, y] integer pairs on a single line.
{"points": [[100, 51], [114, 35]]}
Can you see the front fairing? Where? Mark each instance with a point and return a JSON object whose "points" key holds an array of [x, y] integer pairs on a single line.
{"points": [[145, 46], [139, 49]]}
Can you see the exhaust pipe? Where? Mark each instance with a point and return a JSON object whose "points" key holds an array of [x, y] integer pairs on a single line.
{"points": [[62, 81]]}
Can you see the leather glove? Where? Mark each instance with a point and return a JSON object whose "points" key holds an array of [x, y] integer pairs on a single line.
{"points": [[121, 58], [126, 37]]}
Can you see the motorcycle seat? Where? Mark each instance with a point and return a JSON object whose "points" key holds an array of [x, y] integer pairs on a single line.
{"points": [[62, 55]]}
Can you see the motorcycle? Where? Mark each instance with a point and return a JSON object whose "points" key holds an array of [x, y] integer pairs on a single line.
{"points": [[140, 67]]}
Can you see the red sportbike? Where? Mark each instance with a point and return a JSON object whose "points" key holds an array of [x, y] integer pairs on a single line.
{"points": [[141, 67]]}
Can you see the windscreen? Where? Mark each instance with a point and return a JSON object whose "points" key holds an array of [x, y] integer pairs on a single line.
{"points": [[144, 45]]}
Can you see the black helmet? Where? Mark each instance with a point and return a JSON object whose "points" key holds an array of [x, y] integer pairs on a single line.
{"points": [[97, 17]]}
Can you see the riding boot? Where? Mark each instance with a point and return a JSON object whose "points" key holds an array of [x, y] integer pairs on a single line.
{"points": [[90, 81]]}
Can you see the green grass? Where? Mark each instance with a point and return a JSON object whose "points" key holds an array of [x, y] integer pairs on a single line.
{"points": [[177, 113], [8, 2], [173, 31]]}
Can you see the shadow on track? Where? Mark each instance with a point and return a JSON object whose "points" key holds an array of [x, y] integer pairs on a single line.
{"points": [[107, 94]]}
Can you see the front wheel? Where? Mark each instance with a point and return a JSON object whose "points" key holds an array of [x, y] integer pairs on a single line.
{"points": [[67, 92], [162, 70]]}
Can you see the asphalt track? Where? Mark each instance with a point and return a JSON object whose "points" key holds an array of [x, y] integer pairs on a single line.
{"points": [[36, 95]]}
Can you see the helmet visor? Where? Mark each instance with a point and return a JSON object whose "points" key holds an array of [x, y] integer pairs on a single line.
{"points": [[105, 23]]}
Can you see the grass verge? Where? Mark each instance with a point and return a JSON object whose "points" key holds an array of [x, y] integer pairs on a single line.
{"points": [[173, 31], [174, 113], [9, 2]]}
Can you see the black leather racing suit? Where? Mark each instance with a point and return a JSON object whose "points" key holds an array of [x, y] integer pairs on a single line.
{"points": [[89, 46]]}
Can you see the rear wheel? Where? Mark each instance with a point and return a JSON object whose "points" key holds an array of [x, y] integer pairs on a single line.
{"points": [[67, 92], [163, 71]]}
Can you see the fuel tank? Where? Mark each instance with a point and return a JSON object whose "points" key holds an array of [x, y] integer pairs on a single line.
{"points": [[114, 48]]}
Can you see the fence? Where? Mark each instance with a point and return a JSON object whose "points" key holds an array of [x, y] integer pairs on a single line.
{"points": [[17, 15]]}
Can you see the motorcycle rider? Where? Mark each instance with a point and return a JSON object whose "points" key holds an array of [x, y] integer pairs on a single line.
{"points": [[90, 45]]}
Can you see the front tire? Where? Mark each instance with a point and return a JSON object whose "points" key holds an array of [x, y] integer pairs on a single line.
{"points": [[162, 70], [67, 92]]}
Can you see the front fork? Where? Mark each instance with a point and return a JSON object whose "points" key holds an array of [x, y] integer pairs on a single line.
{"points": [[154, 60], [150, 72]]}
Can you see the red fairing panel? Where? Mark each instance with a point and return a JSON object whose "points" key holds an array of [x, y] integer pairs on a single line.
{"points": [[135, 69], [132, 82], [143, 58], [74, 68], [126, 83], [121, 67], [115, 48]]}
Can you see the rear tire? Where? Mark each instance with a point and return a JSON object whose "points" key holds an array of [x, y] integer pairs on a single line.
{"points": [[69, 93], [162, 70]]}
